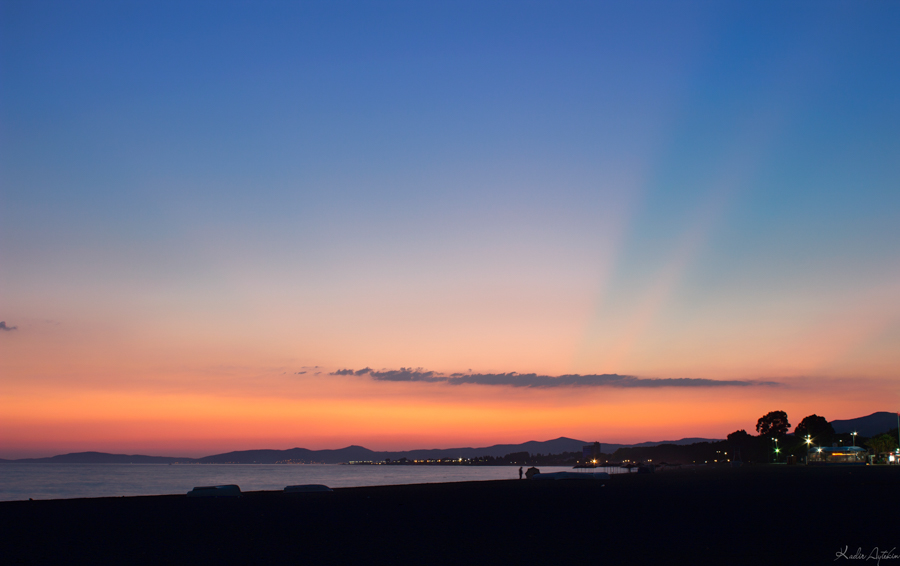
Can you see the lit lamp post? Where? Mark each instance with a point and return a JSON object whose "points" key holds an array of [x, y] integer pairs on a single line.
{"points": [[853, 434], [808, 441], [776, 449]]}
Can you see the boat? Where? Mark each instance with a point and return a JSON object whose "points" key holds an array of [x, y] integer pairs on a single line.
{"points": [[215, 491]]}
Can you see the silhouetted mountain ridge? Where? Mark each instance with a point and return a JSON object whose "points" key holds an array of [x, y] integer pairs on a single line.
{"points": [[870, 425], [348, 454], [341, 455], [102, 458]]}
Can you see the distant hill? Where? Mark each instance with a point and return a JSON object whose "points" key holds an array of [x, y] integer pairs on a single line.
{"points": [[102, 458], [876, 423], [304, 455], [556, 446], [682, 442], [361, 454], [348, 454]]}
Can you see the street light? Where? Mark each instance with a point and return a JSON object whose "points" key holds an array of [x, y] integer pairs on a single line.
{"points": [[808, 441], [853, 434]]}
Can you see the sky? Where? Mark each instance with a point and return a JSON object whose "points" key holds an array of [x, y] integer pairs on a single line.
{"points": [[237, 225]]}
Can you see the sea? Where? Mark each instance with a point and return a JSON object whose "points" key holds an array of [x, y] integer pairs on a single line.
{"points": [[67, 481]]}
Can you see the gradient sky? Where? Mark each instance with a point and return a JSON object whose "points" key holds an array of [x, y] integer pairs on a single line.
{"points": [[207, 209]]}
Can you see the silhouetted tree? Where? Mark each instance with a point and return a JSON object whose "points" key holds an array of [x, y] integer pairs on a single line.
{"points": [[739, 437], [773, 425], [749, 446], [820, 430]]}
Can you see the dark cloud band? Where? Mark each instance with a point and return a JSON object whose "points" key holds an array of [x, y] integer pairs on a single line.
{"points": [[534, 380]]}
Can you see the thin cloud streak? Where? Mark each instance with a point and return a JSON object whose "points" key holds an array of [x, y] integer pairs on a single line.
{"points": [[7, 328], [533, 380]]}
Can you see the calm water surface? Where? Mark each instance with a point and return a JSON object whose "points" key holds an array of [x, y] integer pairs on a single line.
{"points": [[63, 481]]}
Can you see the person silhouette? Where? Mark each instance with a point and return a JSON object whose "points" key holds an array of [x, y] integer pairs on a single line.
{"points": [[520, 472]]}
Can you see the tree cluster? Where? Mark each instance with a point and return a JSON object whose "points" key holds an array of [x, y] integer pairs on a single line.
{"points": [[774, 443], [882, 443]]}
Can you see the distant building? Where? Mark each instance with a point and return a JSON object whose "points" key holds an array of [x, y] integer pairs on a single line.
{"points": [[838, 455], [590, 452]]}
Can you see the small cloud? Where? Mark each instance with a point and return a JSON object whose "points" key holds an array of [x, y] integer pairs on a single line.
{"points": [[7, 328], [299, 373], [342, 372], [404, 374]]}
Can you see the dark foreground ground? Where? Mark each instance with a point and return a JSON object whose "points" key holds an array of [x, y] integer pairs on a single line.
{"points": [[750, 515]]}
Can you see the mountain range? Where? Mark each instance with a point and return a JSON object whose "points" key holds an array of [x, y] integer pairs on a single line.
{"points": [[876, 423], [348, 454], [870, 425]]}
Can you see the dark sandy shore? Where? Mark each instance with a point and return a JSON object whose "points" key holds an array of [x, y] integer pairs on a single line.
{"points": [[749, 515]]}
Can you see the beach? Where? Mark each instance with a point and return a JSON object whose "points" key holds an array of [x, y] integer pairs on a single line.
{"points": [[68, 481], [705, 515]]}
